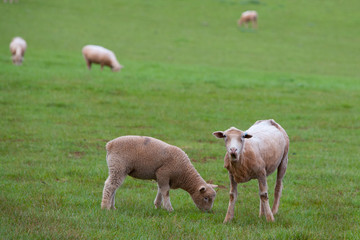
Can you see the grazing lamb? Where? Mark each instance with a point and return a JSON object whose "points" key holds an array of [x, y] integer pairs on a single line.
{"points": [[255, 154], [149, 158], [248, 16], [18, 48], [102, 56]]}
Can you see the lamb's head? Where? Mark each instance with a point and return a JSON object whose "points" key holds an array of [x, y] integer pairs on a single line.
{"points": [[234, 141], [204, 197]]}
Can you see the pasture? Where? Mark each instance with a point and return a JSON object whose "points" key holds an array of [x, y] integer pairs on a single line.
{"points": [[189, 71]]}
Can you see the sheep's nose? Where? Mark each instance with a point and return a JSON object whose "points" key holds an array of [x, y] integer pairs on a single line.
{"points": [[233, 150]]}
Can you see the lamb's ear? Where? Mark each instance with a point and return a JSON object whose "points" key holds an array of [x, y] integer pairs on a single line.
{"points": [[219, 134], [213, 185], [246, 135], [202, 189]]}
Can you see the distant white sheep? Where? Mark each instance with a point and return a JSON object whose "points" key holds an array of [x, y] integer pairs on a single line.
{"points": [[150, 158], [255, 154], [11, 1], [248, 16], [17, 48], [102, 56]]}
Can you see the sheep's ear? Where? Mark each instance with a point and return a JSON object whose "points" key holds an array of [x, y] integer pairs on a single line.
{"points": [[219, 134], [246, 135], [213, 185], [202, 189]]}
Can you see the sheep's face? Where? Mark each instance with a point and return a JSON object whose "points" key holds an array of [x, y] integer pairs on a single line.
{"points": [[17, 59], [117, 68], [204, 197], [234, 140]]}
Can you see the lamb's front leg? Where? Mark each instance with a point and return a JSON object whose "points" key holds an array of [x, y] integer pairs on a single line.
{"points": [[158, 199], [264, 199], [233, 196]]}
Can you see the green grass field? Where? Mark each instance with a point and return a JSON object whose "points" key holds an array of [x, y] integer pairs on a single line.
{"points": [[189, 71]]}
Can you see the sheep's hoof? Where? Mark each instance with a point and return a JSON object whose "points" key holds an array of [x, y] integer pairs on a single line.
{"points": [[227, 220]]}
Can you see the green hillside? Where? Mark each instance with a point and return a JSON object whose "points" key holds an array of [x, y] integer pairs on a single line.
{"points": [[189, 71]]}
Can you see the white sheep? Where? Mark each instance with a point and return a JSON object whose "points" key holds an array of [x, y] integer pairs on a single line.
{"points": [[102, 56], [17, 48], [149, 158], [255, 154], [248, 16]]}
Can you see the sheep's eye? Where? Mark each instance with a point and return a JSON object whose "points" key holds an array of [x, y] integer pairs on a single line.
{"points": [[206, 199]]}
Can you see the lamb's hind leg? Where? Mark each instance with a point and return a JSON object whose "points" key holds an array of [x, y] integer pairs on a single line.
{"points": [[158, 199], [111, 184], [278, 188]]}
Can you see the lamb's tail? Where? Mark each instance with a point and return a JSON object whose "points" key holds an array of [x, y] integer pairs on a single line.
{"points": [[109, 146]]}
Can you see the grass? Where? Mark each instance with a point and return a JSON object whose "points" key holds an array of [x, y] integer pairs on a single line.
{"points": [[188, 72]]}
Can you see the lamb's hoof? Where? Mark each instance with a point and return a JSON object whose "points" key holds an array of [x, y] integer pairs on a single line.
{"points": [[270, 218]]}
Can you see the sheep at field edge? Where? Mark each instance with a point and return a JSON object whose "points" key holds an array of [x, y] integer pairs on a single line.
{"points": [[11, 1], [17, 49], [102, 56], [152, 159], [248, 16], [255, 154]]}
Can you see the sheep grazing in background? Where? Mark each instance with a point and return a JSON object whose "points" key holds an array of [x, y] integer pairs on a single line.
{"points": [[18, 48], [11, 1], [255, 154], [149, 158], [248, 16], [102, 56]]}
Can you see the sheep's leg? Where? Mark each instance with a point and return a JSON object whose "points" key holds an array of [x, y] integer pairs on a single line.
{"points": [[88, 63], [111, 184], [254, 24], [158, 199], [264, 199], [278, 188], [102, 67], [233, 196]]}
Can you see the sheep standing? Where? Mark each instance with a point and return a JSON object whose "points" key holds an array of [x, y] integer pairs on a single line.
{"points": [[102, 56], [248, 16], [255, 154], [17, 49], [150, 158]]}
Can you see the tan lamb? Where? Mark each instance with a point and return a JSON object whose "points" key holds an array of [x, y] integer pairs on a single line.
{"points": [[248, 16], [17, 48], [255, 154], [102, 56], [152, 159]]}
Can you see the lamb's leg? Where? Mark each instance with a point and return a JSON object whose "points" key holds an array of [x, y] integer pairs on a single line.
{"points": [[158, 199], [111, 184], [264, 199], [102, 67], [233, 196], [164, 189], [278, 188]]}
